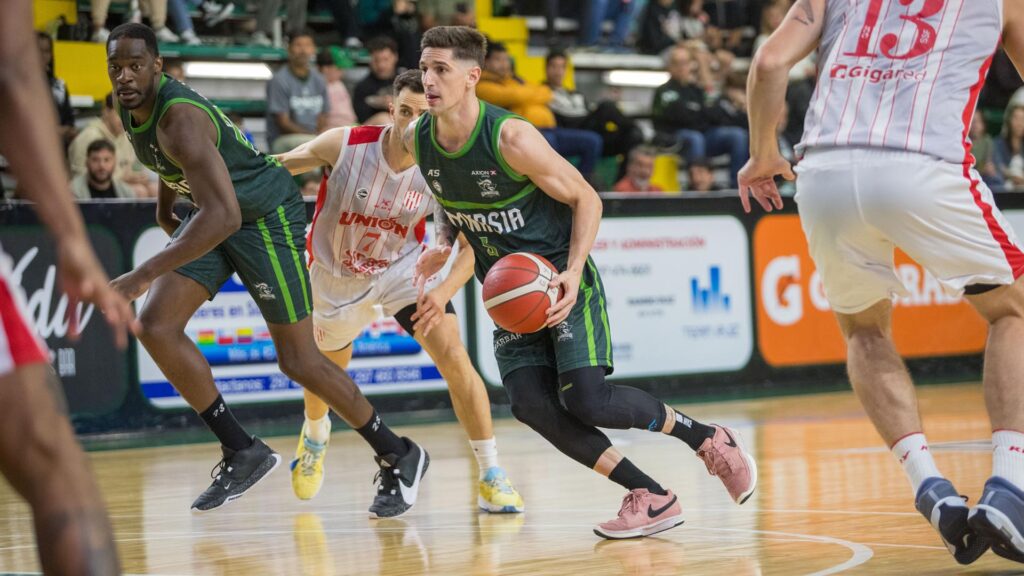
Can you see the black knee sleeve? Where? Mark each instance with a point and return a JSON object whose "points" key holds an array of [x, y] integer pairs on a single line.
{"points": [[586, 395]]}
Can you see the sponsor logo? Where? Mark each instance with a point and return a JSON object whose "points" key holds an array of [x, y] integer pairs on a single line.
{"points": [[504, 339], [710, 298], [500, 221], [362, 193], [362, 264], [385, 224], [485, 173], [875, 75], [264, 291], [434, 173], [655, 512], [564, 332], [436, 186]]}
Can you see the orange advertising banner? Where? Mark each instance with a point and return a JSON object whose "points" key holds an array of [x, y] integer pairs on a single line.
{"points": [[795, 325]]}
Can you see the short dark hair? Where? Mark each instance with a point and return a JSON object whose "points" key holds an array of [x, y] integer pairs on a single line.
{"points": [[555, 53], [466, 43], [495, 48], [411, 79], [135, 31], [324, 58], [379, 43], [303, 33], [108, 102], [101, 144], [700, 163], [642, 150]]}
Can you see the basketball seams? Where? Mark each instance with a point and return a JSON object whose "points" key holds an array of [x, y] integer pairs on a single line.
{"points": [[513, 300]]}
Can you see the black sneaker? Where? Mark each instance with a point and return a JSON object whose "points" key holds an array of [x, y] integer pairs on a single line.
{"points": [[398, 481], [236, 473]]}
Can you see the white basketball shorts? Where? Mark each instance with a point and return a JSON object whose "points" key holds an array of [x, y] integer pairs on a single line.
{"points": [[857, 204]]}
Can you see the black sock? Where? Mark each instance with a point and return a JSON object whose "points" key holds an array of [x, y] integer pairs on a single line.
{"points": [[222, 423], [690, 431], [630, 477], [381, 438]]}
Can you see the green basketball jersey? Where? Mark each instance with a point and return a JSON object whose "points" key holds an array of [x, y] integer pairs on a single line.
{"points": [[261, 183], [499, 210]]}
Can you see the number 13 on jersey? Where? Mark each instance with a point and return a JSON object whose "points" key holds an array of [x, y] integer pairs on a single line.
{"points": [[924, 33]]}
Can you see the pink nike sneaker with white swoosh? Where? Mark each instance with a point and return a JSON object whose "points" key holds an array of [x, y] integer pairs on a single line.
{"points": [[642, 514], [725, 457]]}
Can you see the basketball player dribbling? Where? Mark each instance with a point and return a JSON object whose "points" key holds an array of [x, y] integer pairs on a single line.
{"points": [[247, 218], [887, 163], [39, 454], [366, 235], [497, 181]]}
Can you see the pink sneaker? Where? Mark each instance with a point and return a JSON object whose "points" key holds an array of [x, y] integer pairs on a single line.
{"points": [[642, 514], [725, 457]]}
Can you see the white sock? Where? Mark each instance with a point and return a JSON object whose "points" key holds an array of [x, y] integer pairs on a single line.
{"points": [[1008, 456], [486, 452], [913, 454], [319, 431]]}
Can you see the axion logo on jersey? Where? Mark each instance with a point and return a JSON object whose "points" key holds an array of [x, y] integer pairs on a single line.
{"points": [[875, 75], [501, 221], [385, 224]]}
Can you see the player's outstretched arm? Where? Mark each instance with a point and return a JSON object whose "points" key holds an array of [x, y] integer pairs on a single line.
{"points": [[1013, 32], [29, 142], [528, 153], [187, 135], [320, 151], [766, 95]]}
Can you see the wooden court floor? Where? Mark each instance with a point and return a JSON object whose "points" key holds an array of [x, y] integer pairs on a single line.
{"points": [[831, 499]]}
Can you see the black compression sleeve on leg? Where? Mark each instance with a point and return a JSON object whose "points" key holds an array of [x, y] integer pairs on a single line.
{"points": [[586, 395], [532, 391], [627, 475]]}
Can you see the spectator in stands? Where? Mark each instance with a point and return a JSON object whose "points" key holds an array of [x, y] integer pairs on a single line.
{"points": [[156, 10], [98, 181], [341, 112], [297, 99], [175, 69], [500, 86], [679, 112], [661, 27], [266, 13], [983, 149], [639, 169], [1002, 82], [373, 93], [59, 90], [108, 127], [732, 25], [597, 12], [446, 13], [619, 133], [397, 19], [311, 186], [345, 22], [1009, 148], [183, 22], [730, 108], [700, 177]]}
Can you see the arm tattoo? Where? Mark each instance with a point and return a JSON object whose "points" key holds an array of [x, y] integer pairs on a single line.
{"points": [[443, 228], [807, 18]]}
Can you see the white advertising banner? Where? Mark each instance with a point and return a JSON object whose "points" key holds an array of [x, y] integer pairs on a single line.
{"points": [[233, 337], [678, 296]]}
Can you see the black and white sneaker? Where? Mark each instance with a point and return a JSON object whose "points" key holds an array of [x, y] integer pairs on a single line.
{"points": [[999, 515], [236, 473], [939, 502], [398, 481]]}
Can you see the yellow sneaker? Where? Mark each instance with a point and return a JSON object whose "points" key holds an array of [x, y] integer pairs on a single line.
{"points": [[308, 467], [497, 495]]}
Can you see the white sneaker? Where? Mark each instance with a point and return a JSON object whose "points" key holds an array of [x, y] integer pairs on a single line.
{"points": [[214, 13], [190, 39], [100, 36], [261, 39], [165, 36]]}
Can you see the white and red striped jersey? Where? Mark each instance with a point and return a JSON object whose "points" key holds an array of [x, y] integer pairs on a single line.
{"points": [[902, 74], [367, 216]]}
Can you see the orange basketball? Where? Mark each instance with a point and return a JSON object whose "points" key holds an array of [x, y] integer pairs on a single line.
{"points": [[516, 292]]}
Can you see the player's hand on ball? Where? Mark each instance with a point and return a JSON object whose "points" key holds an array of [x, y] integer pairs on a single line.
{"points": [[757, 178], [429, 263], [83, 280], [429, 312], [130, 285], [570, 283]]}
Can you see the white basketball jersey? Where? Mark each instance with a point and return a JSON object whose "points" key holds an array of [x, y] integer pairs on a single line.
{"points": [[902, 74], [367, 216]]}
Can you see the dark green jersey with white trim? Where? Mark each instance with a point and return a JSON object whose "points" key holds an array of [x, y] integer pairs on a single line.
{"points": [[261, 183], [499, 210]]}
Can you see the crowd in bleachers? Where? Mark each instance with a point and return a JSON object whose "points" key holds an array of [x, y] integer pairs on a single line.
{"points": [[697, 117]]}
